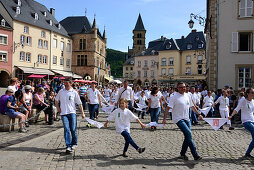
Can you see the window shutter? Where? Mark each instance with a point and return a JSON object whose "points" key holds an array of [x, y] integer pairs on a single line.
{"points": [[253, 42], [234, 41]]}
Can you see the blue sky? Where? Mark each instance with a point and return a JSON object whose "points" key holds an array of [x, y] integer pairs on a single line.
{"points": [[160, 17]]}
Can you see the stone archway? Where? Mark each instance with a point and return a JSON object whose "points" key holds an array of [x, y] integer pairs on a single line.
{"points": [[87, 77], [4, 77]]}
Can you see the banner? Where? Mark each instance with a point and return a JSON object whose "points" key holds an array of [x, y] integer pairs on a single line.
{"points": [[205, 110], [216, 123], [94, 123], [154, 124]]}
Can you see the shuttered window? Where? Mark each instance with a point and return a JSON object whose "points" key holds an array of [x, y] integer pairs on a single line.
{"points": [[234, 41]]}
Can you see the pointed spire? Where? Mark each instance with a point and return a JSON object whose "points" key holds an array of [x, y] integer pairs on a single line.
{"points": [[104, 33], [94, 22], [139, 25]]}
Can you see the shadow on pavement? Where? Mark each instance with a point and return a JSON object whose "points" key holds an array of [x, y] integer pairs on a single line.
{"points": [[34, 149]]}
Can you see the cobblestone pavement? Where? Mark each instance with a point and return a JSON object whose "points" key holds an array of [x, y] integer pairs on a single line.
{"points": [[101, 149]]}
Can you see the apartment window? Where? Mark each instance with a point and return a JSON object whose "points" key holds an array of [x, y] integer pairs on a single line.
{"points": [[82, 60], [126, 74], [61, 61], [68, 63], [3, 22], [28, 57], [171, 61], [68, 47], [199, 69], [139, 63], [29, 41], [55, 43], [62, 46], [200, 59], [145, 73], [45, 44], [82, 44], [17, 10], [163, 61], [139, 74], [245, 8], [43, 34], [44, 59], [3, 56], [3, 39], [26, 29], [244, 77], [152, 73], [188, 71], [163, 71], [40, 42], [145, 63], [189, 46], [126, 68], [152, 63], [188, 59], [131, 68], [21, 56], [54, 59], [39, 58], [170, 71], [22, 39], [245, 41]]}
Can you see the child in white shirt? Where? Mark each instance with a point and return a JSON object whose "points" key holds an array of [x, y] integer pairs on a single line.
{"points": [[122, 117]]}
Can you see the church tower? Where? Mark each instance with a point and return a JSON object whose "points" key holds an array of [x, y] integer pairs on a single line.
{"points": [[139, 37]]}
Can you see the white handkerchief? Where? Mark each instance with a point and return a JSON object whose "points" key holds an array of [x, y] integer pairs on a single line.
{"points": [[154, 124], [94, 123], [107, 108], [216, 123], [141, 106], [205, 110]]}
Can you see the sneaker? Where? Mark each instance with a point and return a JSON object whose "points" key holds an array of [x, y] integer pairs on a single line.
{"points": [[231, 128], [221, 127], [247, 155], [183, 157], [68, 150], [141, 150], [74, 147], [152, 128], [198, 158], [125, 155], [22, 130]]}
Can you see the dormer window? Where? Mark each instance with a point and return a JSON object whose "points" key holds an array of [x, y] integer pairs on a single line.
{"points": [[143, 52], [36, 17], [153, 52], [3, 22], [17, 10], [50, 22], [45, 13], [59, 26], [200, 45], [168, 46], [189, 46], [19, 2], [197, 38]]}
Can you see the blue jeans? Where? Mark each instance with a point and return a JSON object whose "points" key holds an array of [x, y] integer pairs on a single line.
{"points": [[83, 100], [154, 113], [92, 109], [193, 117], [130, 105], [70, 129], [211, 113], [185, 127], [128, 140], [250, 127]]}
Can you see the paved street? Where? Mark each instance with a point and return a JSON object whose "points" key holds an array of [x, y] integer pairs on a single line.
{"points": [[101, 149]]}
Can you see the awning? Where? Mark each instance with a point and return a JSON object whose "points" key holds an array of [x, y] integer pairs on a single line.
{"points": [[36, 76], [31, 70], [67, 74]]}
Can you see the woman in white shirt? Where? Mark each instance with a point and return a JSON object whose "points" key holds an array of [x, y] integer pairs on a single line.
{"points": [[142, 101], [123, 117], [209, 102], [94, 101], [114, 94], [224, 107], [247, 110], [155, 105]]}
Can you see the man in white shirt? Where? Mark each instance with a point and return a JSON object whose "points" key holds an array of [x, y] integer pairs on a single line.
{"points": [[126, 93], [68, 99], [180, 104]]}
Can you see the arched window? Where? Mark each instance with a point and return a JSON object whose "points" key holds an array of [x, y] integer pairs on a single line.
{"points": [[17, 10]]}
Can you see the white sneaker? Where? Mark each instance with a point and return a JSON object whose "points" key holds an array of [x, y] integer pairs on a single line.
{"points": [[74, 147], [68, 150]]}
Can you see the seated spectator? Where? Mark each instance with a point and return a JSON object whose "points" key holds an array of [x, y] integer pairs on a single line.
{"points": [[13, 84], [12, 108], [27, 100], [3, 100]]}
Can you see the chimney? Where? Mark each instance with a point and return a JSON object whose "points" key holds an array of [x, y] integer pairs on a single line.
{"points": [[52, 11], [194, 30], [182, 37]]}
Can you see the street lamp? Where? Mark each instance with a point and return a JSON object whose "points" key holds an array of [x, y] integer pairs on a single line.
{"points": [[16, 45], [200, 19]]}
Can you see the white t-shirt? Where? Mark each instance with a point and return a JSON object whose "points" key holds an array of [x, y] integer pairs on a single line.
{"points": [[93, 96], [195, 98], [247, 110], [224, 102], [107, 92], [136, 95], [114, 96], [198, 95], [208, 101], [68, 99], [126, 94], [155, 100], [122, 119], [14, 88], [142, 100], [147, 93], [180, 104]]}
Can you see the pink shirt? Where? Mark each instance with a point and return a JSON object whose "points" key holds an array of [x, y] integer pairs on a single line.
{"points": [[40, 96]]}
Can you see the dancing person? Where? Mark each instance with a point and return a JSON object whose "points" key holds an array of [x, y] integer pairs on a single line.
{"points": [[180, 104], [123, 117]]}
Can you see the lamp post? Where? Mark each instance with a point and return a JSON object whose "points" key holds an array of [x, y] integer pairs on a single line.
{"points": [[16, 45], [200, 19]]}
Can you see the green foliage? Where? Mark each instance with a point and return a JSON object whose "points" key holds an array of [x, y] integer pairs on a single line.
{"points": [[116, 59]]}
